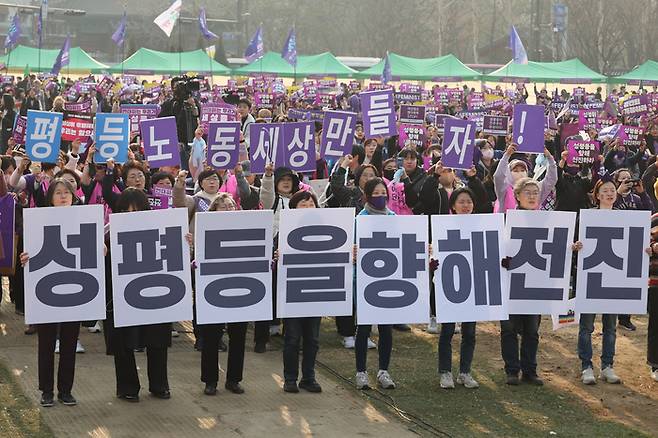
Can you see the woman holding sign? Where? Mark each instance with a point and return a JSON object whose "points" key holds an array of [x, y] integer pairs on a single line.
{"points": [[60, 194]]}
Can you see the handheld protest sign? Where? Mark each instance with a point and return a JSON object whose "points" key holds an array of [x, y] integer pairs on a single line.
{"points": [[378, 113], [392, 270], [458, 143], [470, 283], [233, 252], [151, 281], [528, 128], [613, 269], [314, 276], [337, 133], [299, 146], [112, 137], [223, 145], [65, 275], [265, 145], [43, 135], [138, 113], [160, 141]]}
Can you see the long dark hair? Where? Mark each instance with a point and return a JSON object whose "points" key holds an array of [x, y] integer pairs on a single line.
{"points": [[132, 198], [455, 194]]}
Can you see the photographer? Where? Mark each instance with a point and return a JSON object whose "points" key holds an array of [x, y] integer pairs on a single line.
{"points": [[186, 109]]}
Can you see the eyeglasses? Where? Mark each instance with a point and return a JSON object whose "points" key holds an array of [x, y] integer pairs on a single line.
{"points": [[138, 175]]}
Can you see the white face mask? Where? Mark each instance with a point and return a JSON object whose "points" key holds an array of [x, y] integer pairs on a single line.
{"points": [[488, 154], [518, 174]]}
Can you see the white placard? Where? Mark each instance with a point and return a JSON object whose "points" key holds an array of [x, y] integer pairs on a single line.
{"points": [[151, 282], [613, 268], [392, 278], [315, 270], [233, 253], [65, 275], [470, 284]]}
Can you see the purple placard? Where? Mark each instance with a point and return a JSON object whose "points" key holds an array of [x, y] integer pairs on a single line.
{"points": [[160, 142], [223, 144], [495, 125], [325, 99], [19, 130], [105, 85], [630, 135], [337, 133], [406, 87], [299, 146], [635, 106], [139, 113], [440, 121], [158, 202], [587, 119], [414, 114], [475, 101], [415, 134], [217, 112], [264, 100], [79, 107], [458, 143], [265, 145], [582, 152], [378, 113], [7, 210], [408, 97], [528, 128]]}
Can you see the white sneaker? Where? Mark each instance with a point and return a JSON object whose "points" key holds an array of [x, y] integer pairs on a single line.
{"points": [[384, 380], [446, 381], [362, 381], [654, 375], [175, 334], [609, 375], [588, 377], [371, 344], [348, 342], [57, 346], [79, 348], [275, 330], [467, 380], [433, 327], [96, 328], [458, 328]]}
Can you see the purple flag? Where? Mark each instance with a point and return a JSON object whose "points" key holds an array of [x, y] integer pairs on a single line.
{"points": [[119, 35], [7, 210], [255, 49], [299, 146], [519, 54], [458, 143], [223, 144], [387, 75], [203, 26], [289, 52], [378, 113], [62, 57], [160, 142], [265, 145], [14, 32], [337, 133], [528, 128]]}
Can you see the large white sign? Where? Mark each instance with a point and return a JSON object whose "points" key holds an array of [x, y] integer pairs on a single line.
{"points": [[470, 283], [392, 270], [233, 253], [315, 269], [613, 268], [539, 244], [151, 281], [65, 275]]}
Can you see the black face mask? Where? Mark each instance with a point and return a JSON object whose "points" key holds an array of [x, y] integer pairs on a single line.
{"points": [[572, 171], [389, 174]]}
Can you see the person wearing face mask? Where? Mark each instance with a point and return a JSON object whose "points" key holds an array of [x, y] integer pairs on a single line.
{"points": [[509, 173], [390, 166], [619, 157], [486, 162], [376, 195]]}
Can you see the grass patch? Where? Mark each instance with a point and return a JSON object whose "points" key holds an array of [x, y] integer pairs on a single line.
{"points": [[18, 416], [494, 409]]}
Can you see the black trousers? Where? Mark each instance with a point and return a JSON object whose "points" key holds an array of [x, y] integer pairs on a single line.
{"points": [[17, 281], [126, 370], [346, 326], [237, 335], [68, 337], [652, 335]]}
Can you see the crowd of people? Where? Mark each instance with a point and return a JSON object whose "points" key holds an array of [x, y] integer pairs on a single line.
{"points": [[378, 177]]}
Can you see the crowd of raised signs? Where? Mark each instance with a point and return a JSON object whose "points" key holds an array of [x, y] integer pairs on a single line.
{"points": [[471, 205]]}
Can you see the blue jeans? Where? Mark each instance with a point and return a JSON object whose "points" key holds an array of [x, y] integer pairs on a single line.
{"points": [[294, 330], [585, 339], [528, 327], [465, 352], [384, 346]]}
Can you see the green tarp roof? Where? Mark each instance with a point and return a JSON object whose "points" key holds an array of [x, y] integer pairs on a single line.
{"points": [[570, 71], [147, 61], [442, 69], [645, 72], [323, 64], [79, 60]]}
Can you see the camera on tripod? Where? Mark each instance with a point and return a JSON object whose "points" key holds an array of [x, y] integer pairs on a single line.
{"points": [[184, 86]]}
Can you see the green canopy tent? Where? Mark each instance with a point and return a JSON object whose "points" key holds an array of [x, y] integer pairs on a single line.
{"points": [[572, 71], [79, 60], [147, 61], [323, 64], [646, 73], [445, 68]]}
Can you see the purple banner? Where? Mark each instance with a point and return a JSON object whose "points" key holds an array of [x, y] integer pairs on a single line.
{"points": [[19, 130], [414, 114], [378, 113], [139, 113], [217, 112], [528, 128], [80, 107], [410, 135], [160, 142], [458, 143], [337, 133], [582, 152], [495, 125], [7, 209], [635, 106], [223, 144]]}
